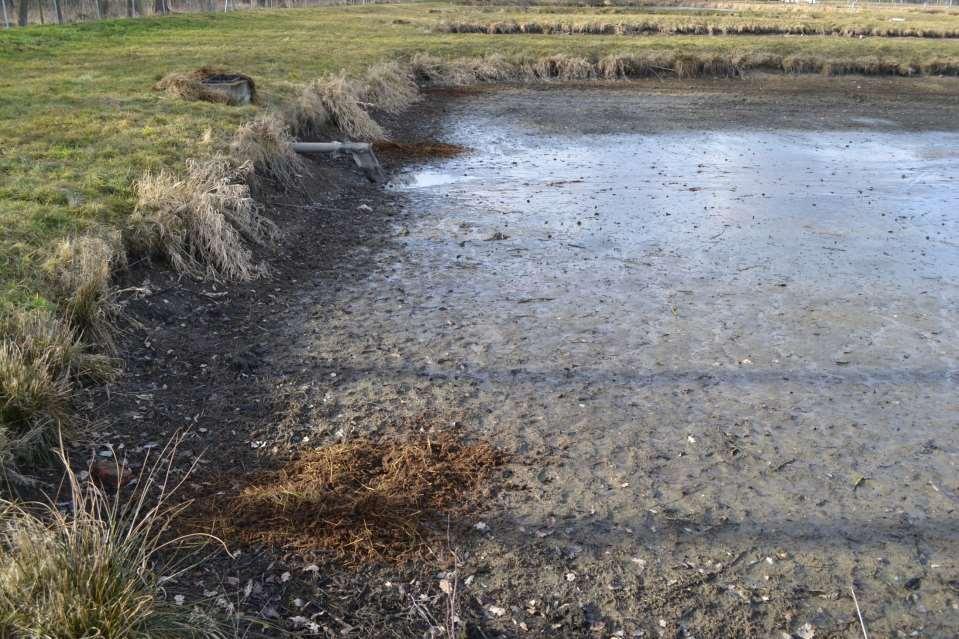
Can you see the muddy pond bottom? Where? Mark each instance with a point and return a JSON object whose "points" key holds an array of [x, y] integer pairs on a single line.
{"points": [[729, 353]]}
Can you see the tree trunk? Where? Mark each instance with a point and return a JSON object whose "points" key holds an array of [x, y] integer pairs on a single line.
{"points": [[129, 8], [6, 19], [23, 11], [40, 6], [56, 5]]}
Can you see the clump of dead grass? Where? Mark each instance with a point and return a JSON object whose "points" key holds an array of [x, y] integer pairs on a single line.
{"points": [[389, 87], [340, 100], [96, 571], [563, 67], [202, 223], [431, 70], [265, 145], [40, 357], [80, 270], [364, 499], [193, 85]]}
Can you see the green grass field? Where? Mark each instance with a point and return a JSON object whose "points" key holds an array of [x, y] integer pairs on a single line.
{"points": [[79, 122]]}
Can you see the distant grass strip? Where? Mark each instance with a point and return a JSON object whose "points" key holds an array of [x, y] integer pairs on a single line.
{"points": [[708, 28]]}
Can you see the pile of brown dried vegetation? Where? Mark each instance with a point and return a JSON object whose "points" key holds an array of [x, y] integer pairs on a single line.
{"points": [[414, 150], [363, 500]]}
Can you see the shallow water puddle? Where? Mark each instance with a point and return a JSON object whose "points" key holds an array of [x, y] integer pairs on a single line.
{"points": [[718, 340]]}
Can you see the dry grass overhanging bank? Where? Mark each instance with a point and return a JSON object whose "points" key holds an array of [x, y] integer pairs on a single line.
{"points": [[202, 223], [433, 71], [671, 27], [364, 500]]}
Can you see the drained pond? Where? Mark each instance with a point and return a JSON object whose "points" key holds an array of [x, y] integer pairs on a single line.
{"points": [[721, 337]]}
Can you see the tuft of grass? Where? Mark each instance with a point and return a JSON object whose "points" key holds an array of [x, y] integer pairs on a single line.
{"points": [[389, 87], [563, 67], [340, 98], [266, 145], [202, 223], [431, 70], [40, 357], [80, 271], [99, 570]]}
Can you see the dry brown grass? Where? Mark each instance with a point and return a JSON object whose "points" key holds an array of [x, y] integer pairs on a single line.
{"points": [[202, 223], [266, 145], [363, 500], [341, 99], [389, 87], [190, 86], [430, 70], [461, 72], [630, 66], [80, 270], [40, 357], [563, 67]]}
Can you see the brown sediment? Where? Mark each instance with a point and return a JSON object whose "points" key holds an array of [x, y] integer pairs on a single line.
{"points": [[412, 150]]}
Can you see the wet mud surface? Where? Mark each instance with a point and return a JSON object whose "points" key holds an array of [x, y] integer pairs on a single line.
{"points": [[731, 349], [714, 323]]}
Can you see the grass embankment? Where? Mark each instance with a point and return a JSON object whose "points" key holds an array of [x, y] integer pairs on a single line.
{"points": [[82, 127]]}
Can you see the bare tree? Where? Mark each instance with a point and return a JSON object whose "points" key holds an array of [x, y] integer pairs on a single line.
{"points": [[6, 19], [23, 12]]}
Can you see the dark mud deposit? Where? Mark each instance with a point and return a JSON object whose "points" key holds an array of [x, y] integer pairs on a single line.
{"points": [[716, 323]]}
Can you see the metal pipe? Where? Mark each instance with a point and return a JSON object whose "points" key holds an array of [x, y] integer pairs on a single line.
{"points": [[361, 152], [331, 147]]}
